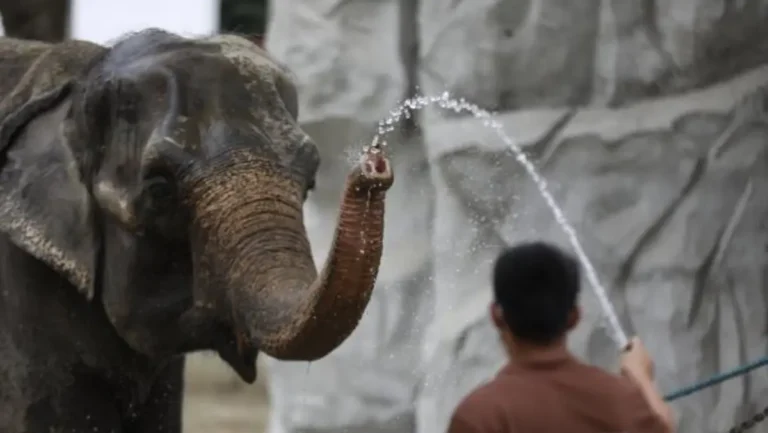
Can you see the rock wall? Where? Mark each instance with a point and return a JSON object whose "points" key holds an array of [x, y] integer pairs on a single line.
{"points": [[647, 118]]}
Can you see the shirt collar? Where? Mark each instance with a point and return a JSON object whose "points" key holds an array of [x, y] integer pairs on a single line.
{"points": [[537, 359]]}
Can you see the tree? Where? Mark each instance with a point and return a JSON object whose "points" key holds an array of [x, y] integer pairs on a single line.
{"points": [[43, 20], [248, 17]]}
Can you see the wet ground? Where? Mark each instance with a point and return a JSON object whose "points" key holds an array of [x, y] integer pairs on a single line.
{"points": [[217, 401]]}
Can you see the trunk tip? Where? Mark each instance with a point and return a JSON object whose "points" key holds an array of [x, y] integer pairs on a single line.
{"points": [[375, 171]]}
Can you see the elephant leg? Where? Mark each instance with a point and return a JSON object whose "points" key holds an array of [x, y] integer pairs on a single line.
{"points": [[163, 411], [86, 405]]}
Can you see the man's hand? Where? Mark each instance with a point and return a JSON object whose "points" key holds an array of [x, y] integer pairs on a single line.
{"points": [[637, 366], [635, 361]]}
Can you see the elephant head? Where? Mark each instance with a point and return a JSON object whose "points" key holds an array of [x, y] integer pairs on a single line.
{"points": [[166, 182]]}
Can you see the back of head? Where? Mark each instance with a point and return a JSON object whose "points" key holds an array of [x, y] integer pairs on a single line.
{"points": [[537, 287]]}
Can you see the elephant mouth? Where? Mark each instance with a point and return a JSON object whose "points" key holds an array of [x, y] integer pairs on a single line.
{"points": [[241, 356], [232, 346]]}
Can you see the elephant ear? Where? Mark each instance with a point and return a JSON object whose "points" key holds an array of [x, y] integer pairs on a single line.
{"points": [[45, 207]]}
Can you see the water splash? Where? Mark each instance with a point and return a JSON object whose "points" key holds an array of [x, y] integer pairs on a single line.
{"points": [[445, 101]]}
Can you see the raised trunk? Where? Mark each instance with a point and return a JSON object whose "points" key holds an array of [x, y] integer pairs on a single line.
{"points": [[250, 222]]}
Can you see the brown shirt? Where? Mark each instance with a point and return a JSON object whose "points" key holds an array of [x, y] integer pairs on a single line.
{"points": [[555, 393]]}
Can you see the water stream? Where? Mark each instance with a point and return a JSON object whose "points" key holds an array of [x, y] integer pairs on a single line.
{"points": [[445, 101]]}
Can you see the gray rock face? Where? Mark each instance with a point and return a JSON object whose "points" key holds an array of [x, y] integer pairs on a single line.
{"points": [[505, 54], [348, 51], [661, 169], [671, 215]]}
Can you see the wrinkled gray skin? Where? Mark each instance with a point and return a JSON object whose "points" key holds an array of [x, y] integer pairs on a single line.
{"points": [[150, 205]]}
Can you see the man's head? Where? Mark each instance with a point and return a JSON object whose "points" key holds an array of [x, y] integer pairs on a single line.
{"points": [[536, 288]]}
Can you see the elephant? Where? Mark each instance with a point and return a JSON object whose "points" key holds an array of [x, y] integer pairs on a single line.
{"points": [[151, 198]]}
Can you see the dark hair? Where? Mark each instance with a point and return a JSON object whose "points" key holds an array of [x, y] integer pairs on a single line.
{"points": [[537, 286]]}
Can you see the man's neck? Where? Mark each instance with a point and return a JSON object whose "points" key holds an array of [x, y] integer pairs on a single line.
{"points": [[521, 352]]}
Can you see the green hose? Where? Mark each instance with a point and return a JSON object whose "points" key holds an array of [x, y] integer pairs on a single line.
{"points": [[722, 377]]}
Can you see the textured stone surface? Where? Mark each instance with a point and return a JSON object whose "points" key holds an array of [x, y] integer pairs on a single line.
{"points": [[670, 210], [505, 54], [344, 53], [676, 229]]}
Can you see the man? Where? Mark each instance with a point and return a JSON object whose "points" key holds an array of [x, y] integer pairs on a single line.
{"points": [[543, 388]]}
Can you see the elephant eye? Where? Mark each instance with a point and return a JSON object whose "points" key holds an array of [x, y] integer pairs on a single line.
{"points": [[161, 193]]}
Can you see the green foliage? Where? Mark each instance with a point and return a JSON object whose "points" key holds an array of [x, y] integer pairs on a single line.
{"points": [[244, 16]]}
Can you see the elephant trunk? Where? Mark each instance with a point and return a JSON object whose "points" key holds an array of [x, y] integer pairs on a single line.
{"points": [[249, 222]]}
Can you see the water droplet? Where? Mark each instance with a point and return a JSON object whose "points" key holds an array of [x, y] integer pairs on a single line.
{"points": [[461, 105]]}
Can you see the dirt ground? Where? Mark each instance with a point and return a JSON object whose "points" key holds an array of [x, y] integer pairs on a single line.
{"points": [[217, 401]]}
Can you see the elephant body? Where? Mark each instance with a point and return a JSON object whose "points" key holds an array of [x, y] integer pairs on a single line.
{"points": [[60, 358], [150, 206], [63, 366]]}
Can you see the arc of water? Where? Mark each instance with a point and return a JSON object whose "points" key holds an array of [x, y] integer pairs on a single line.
{"points": [[445, 101]]}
